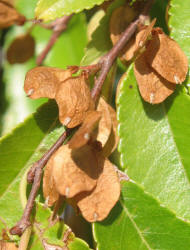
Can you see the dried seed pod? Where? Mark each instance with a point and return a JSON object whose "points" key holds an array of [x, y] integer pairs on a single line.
{"points": [[137, 43], [21, 49], [44, 81], [105, 123], [113, 139], [165, 56], [130, 50], [96, 205], [49, 190], [120, 19], [75, 171], [9, 16], [83, 134], [143, 34], [74, 101], [153, 88]]}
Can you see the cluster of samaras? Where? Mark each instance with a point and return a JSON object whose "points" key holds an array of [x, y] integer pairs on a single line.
{"points": [[159, 64], [79, 170]]}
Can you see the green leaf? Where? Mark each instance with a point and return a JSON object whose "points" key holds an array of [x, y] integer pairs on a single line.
{"points": [[52, 9], [155, 143], [100, 42], [53, 233], [180, 25], [26, 7], [138, 221], [18, 150]]}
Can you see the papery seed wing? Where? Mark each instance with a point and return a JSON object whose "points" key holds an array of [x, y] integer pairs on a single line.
{"points": [[75, 171], [166, 57], [49, 190], [96, 205], [44, 81], [153, 88], [83, 134], [74, 101], [21, 49], [8, 15], [105, 124], [113, 139]]}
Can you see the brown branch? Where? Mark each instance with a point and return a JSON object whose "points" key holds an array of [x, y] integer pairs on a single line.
{"points": [[42, 162], [104, 65], [108, 59], [58, 27]]}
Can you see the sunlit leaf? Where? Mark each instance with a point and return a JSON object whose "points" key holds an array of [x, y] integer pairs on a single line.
{"points": [[52, 9], [138, 221], [18, 150], [154, 142]]}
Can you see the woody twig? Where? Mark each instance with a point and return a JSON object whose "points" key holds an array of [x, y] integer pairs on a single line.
{"points": [[58, 27]]}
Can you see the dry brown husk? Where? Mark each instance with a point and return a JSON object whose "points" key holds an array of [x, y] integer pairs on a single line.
{"points": [[49, 190], [113, 139], [137, 42], [165, 56], [130, 50], [143, 35], [74, 101], [21, 49], [120, 19], [83, 134], [96, 205], [106, 132], [75, 171], [107, 129], [44, 81], [153, 88], [105, 123], [8, 15]]}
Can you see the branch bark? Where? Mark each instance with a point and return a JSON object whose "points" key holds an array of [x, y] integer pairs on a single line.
{"points": [[58, 27], [35, 175]]}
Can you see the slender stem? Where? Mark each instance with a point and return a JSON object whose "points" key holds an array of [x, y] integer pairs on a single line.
{"points": [[42, 162], [25, 220], [35, 175], [58, 26]]}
